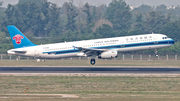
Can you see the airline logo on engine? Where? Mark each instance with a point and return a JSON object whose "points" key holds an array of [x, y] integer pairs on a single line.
{"points": [[18, 38]]}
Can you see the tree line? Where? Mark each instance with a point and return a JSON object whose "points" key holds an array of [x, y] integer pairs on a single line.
{"points": [[45, 22]]}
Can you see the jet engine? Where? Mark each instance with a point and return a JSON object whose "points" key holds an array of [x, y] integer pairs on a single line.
{"points": [[108, 54]]}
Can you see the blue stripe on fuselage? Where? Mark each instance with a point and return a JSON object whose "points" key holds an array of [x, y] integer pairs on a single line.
{"points": [[164, 42]]}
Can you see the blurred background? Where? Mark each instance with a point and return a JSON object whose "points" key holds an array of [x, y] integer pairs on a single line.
{"points": [[54, 21]]}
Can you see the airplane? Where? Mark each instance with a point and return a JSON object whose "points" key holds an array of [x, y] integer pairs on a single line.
{"points": [[106, 48]]}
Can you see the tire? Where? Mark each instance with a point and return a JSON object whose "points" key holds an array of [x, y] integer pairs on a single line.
{"points": [[93, 61]]}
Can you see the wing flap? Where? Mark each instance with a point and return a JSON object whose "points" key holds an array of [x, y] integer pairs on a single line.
{"points": [[91, 51]]}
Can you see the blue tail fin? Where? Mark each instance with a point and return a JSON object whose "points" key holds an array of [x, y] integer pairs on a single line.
{"points": [[18, 38]]}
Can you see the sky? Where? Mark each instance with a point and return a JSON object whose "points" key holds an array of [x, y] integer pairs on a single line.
{"points": [[99, 2]]}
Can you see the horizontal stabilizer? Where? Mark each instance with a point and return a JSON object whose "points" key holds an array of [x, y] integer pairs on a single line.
{"points": [[20, 51], [13, 51]]}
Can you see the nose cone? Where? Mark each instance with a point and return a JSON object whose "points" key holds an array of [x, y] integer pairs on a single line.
{"points": [[173, 41]]}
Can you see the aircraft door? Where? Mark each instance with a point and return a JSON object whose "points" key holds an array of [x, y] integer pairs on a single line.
{"points": [[155, 38], [80, 45], [36, 51], [122, 43]]}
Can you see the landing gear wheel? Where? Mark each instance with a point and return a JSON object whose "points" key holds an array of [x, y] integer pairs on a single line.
{"points": [[156, 53], [43, 60], [38, 60], [93, 61]]}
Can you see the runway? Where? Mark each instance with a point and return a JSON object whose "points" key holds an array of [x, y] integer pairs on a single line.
{"points": [[136, 70]]}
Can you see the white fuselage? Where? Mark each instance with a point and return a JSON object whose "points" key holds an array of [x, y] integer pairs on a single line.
{"points": [[120, 44]]}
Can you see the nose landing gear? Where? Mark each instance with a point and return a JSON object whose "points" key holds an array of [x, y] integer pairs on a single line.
{"points": [[155, 51]]}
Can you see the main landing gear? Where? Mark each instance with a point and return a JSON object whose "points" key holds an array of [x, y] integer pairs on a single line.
{"points": [[156, 53], [93, 61], [38, 60]]}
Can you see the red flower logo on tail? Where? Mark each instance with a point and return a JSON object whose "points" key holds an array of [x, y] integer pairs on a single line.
{"points": [[18, 38]]}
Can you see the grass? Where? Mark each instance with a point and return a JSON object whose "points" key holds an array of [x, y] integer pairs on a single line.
{"points": [[96, 99], [100, 88], [86, 63], [94, 88]]}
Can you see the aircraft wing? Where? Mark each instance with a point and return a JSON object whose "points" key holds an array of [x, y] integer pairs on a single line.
{"points": [[90, 52]]}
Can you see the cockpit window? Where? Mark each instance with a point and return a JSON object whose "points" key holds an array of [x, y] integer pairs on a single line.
{"points": [[164, 38]]}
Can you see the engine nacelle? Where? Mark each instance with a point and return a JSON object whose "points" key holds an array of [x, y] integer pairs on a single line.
{"points": [[108, 55]]}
